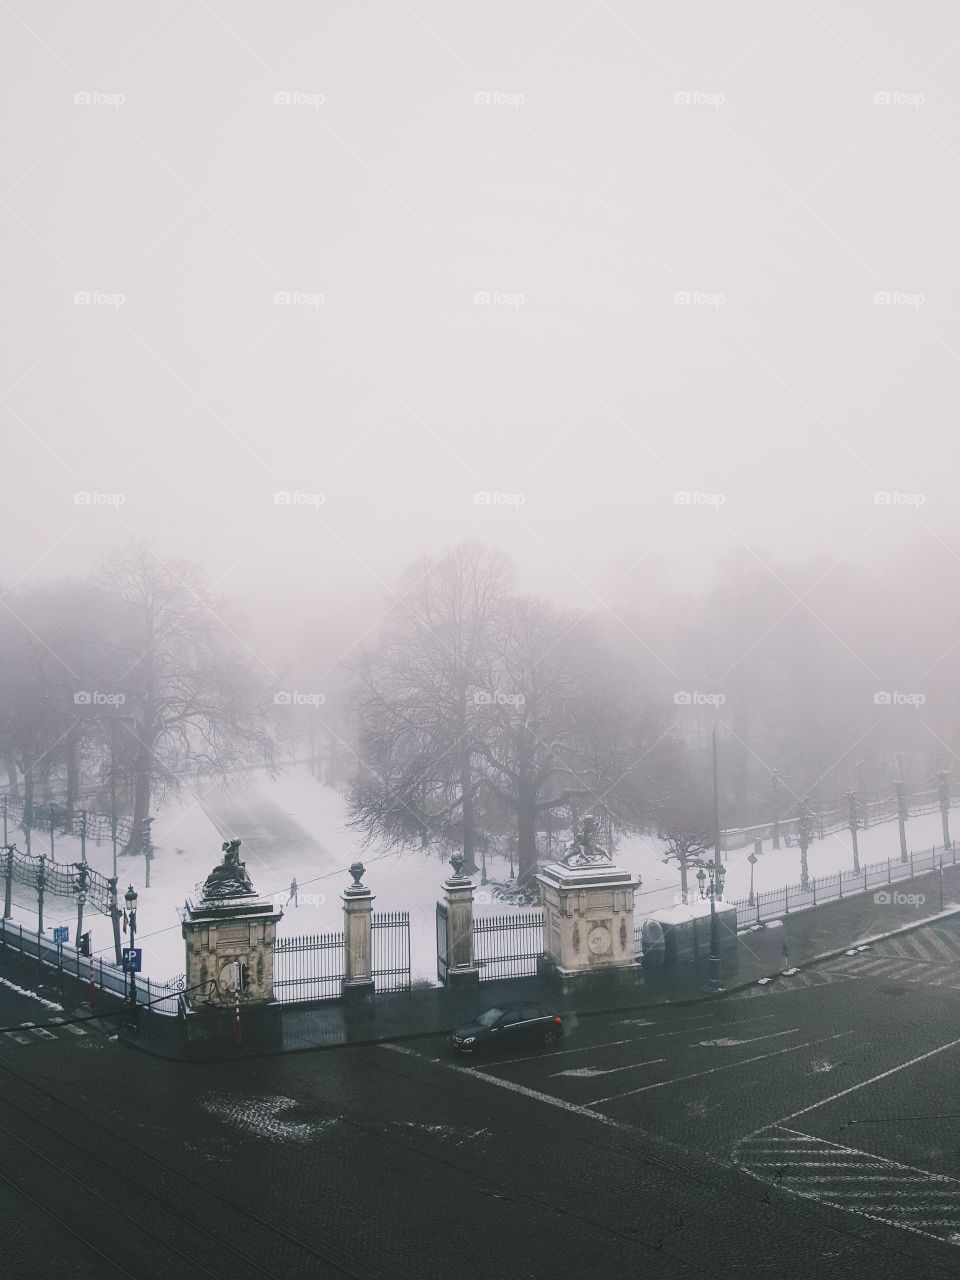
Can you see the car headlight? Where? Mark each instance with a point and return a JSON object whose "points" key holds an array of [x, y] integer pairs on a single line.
{"points": [[469, 1040]]}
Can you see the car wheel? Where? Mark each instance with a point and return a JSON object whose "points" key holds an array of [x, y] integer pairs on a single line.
{"points": [[549, 1038]]}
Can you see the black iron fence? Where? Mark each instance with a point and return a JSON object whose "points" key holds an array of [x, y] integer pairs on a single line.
{"points": [[67, 961], [56, 819], [507, 946], [309, 967], [390, 941], [442, 964], [64, 879], [770, 904]]}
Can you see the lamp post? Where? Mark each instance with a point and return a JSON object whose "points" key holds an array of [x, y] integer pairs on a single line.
{"points": [[752, 859], [130, 898], [710, 878]]}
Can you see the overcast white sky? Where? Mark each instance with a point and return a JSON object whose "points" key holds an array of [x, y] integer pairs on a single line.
{"points": [[583, 196]]}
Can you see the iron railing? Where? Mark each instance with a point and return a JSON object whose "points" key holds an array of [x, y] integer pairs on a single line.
{"points": [[442, 963], [309, 967], [507, 946], [67, 961], [390, 941], [770, 904]]}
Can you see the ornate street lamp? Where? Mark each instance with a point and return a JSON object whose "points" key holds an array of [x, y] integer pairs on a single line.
{"points": [[130, 898], [710, 879]]}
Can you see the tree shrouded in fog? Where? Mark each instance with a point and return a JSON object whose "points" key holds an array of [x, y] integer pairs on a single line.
{"points": [[420, 710], [192, 705], [475, 697]]}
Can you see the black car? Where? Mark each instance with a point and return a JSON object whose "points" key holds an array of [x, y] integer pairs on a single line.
{"points": [[508, 1029]]}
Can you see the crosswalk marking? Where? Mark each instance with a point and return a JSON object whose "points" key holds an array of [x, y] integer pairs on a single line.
{"points": [[858, 1181], [17, 1036], [41, 1032]]}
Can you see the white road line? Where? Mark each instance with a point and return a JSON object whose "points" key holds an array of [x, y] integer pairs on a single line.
{"points": [[727, 1066], [15, 1035], [821, 1164], [938, 942], [631, 1040], [587, 1073], [509, 1084], [892, 1071], [41, 1032], [735, 1044]]}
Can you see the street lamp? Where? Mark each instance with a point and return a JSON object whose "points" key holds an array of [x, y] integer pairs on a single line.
{"points": [[710, 879], [130, 898]]}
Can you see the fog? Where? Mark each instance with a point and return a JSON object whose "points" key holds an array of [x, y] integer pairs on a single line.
{"points": [[654, 300]]}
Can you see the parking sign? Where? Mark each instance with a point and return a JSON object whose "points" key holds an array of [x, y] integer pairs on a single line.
{"points": [[131, 957], [61, 934]]}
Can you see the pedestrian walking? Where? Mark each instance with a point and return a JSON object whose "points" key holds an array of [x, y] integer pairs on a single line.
{"points": [[294, 894]]}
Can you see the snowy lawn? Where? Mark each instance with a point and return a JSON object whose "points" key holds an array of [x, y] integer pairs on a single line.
{"points": [[293, 827]]}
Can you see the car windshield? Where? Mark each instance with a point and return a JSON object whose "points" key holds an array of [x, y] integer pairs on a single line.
{"points": [[490, 1017]]}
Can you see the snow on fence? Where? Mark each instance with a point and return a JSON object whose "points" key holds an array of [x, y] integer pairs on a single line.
{"points": [[164, 997], [771, 904], [508, 946]]}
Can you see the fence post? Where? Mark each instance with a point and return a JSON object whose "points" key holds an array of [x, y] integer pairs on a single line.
{"points": [[889, 877], [357, 937], [8, 879], [786, 900], [458, 895], [41, 885], [814, 883], [864, 879]]}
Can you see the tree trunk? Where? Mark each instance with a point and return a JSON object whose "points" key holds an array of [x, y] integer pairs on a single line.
{"points": [[142, 786], [73, 773], [526, 832], [13, 776], [469, 819], [683, 881]]}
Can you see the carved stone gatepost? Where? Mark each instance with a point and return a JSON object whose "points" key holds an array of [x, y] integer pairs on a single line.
{"points": [[588, 926], [358, 937], [229, 936], [458, 901]]}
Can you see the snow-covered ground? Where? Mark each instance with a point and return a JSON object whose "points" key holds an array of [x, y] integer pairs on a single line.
{"points": [[292, 826]]}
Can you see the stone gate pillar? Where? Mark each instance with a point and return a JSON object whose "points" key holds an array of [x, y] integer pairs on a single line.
{"points": [[458, 899], [229, 936], [357, 937]]}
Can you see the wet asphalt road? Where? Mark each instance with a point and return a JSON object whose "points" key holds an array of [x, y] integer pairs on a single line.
{"points": [[802, 1126]]}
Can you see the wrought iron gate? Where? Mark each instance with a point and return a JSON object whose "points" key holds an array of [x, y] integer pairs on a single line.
{"points": [[390, 941], [310, 967], [442, 943], [508, 946]]}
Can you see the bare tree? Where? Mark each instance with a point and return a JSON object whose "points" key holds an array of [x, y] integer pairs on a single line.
{"points": [[194, 704], [419, 708]]}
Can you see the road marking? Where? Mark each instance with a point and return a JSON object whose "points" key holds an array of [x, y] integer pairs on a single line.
{"points": [[15, 1035], [69, 1026], [727, 1066], [631, 1040], [733, 1044], [892, 1071], [838, 1179], [40, 1032], [586, 1073], [939, 943], [510, 1085]]}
